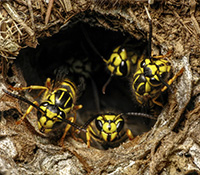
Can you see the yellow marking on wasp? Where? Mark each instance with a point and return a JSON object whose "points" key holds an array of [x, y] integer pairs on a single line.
{"points": [[71, 86], [112, 127], [68, 99], [61, 96]]}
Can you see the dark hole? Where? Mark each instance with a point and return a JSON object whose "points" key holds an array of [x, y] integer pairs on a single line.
{"points": [[10, 72], [35, 149], [12, 112], [178, 169], [56, 52]]}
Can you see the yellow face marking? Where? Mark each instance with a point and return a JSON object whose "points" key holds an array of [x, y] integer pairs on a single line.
{"points": [[119, 56], [43, 108], [109, 117], [42, 120], [112, 136], [104, 136], [47, 130], [109, 127], [153, 68], [50, 114], [49, 124], [111, 68], [48, 120]]}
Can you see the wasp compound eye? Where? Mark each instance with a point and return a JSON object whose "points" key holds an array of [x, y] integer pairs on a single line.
{"points": [[120, 125], [123, 68], [99, 124]]}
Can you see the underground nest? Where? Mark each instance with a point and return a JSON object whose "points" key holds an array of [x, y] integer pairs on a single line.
{"points": [[172, 144]]}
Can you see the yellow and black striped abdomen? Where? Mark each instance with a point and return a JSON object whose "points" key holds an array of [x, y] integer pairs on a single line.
{"points": [[69, 86], [62, 98]]}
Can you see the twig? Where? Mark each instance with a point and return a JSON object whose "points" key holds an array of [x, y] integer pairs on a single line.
{"points": [[194, 21], [66, 4], [11, 11], [50, 5], [182, 22], [21, 2], [31, 13]]}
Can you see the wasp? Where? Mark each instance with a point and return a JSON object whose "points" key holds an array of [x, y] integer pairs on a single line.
{"points": [[57, 106], [122, 60], [110, 129], [151, 76]]}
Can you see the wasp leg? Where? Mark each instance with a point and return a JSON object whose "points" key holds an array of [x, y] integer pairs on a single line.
{"points": [[61, 142], [77, 131], [165, 87], [35, 87], [90, 132], [48, 85], [30, 108], [138, 98], [162, 56], [29, 87], [77, 107], [88, 137], [129, 134], [173, 79], [156, 102], [44, 89]]}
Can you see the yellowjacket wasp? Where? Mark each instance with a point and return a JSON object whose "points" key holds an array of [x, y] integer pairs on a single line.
{"points": [[151, 76], [57, 106], [109, 129], [121, 60]]}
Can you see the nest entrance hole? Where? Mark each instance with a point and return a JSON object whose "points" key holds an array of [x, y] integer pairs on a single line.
{"points": [[58, 54]]}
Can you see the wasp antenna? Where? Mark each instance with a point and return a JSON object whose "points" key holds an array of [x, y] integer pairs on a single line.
{"points": [[165, 83], [106, 84], [74, 125], [105, 60], [147, 11], [150, 32], [23, 99], [89, 121], [141, 115], [91, 44]]}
